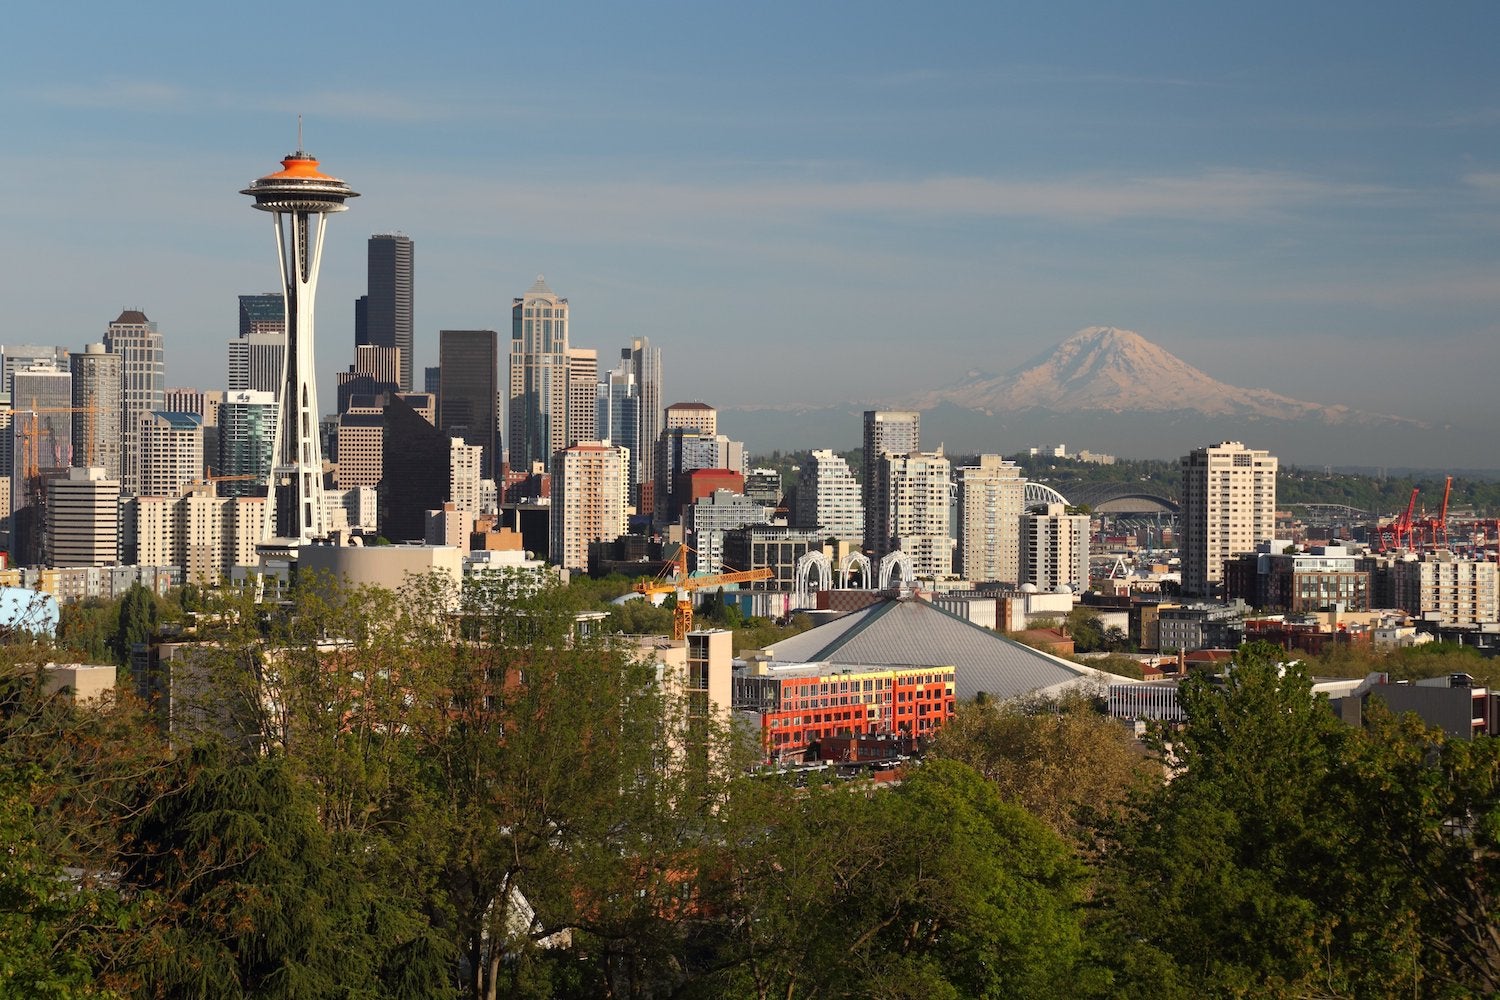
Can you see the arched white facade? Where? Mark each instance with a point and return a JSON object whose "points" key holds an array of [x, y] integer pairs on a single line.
{"points": [[888, 567], [862, 562], [805, 566]]}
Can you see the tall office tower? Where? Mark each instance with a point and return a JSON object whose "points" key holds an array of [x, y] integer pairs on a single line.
{"points": [[645, 365], [463, 475], [143, 377], [42, 424], [538, 402], [256, 361], [432, 378], [1228, 507], [692, 416], [991, 500], [96, 390], [171, 453], [589, 483], [828, 497], [375, 370], [583, 394], [83, 522], [468, 381], [1055, 549], [247, 436], [886, 432], [388, 306], [263, 313], [415, 457], [911, 492], [300, 198], [617, 418]]}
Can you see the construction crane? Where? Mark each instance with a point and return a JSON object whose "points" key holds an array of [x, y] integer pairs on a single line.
{"points": [[1433, 531], [682, 585], [1399, 528], [34, 490]]}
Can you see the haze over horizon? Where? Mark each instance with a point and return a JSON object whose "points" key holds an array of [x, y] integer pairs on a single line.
{"points": [[840, 201]]}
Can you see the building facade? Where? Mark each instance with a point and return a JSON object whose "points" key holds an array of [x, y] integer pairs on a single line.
{"points": [[247, 435], [828, 497], [646, 368], [538, 399], [1055, 549], [588, 500], [911, 515], [143, 379], [583, 395], [388, 305], [991, 500], [468, 362], [171, 453], [97, 383], [83, 522], [1228, 508], [1446, 586]]}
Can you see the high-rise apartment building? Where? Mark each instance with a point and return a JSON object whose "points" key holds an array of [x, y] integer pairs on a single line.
{"points": [[1228, 507], [991, 500], [911, 516], [143, 378], [589, 485], [583, 394], [1458, 591], [828, 497], [1055, 549], [468, 381], [97, 381], [886, 432], [645, 366], [171, 453], [388, 305], [617, 418], [83, 519], [247, 436], [256, 362], [538, 401], [463, 475], [205, 534]]}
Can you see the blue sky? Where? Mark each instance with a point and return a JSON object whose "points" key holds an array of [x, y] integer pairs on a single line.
{"points": [[799, 202]]}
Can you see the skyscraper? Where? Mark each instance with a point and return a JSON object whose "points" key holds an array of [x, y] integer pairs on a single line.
{"points": [[583, 394], [1055, 549], [886, 432], [262, 313], [256, 360], [300, 198], [247, 436], [828, 497], [538, 377], [417, 462], [171, 453], [617, 418], [1228, 507], [97, 381], [588, 501], [143, 378], [991, 500], [388, 305], [911, 492], [468, 363], [645, 365], [83, 519]]}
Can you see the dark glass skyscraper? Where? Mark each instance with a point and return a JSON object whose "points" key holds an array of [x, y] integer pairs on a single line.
{"points": [[468, 380], [387, 320], [416, 467]]}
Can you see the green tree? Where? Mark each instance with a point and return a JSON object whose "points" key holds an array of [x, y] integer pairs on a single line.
{"points": [[138, 617]]}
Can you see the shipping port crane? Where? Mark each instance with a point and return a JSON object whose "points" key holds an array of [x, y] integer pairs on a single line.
{"points": [[682, 585]]}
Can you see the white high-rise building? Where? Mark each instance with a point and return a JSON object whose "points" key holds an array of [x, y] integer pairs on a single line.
{"points": [[171, 456], [912, 493], [886, 432], [256, 361], [1055, 549], [828, 497], [991, 500], [589, 484], [143, 380], [83, 519], [583, 395], [538, 405], [645, 367], [463, 475], [1228, 507], [203, 533]]}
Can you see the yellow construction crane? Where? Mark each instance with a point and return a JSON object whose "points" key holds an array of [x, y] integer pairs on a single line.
{"points": [[682, 614]]}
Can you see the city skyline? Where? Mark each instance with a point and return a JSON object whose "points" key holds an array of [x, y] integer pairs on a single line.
{"points": [[1295, 199]]}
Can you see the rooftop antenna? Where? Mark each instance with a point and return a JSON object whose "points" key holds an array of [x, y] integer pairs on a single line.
{"points": [[299, 133]]}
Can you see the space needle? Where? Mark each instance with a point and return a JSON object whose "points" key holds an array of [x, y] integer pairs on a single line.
{"points": [[301, 199]]}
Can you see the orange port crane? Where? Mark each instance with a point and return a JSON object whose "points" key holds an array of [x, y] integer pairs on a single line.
{"points": [[1433, 531], [682, 614], [1399, 528]]}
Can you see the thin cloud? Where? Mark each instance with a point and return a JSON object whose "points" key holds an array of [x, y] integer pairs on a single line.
{"points": [[133, 95]]}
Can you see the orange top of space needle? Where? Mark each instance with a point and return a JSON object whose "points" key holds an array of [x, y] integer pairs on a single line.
{"points": [[299, 166]]}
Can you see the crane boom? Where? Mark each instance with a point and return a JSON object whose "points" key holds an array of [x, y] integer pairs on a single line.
{"points": [[682, 616]]}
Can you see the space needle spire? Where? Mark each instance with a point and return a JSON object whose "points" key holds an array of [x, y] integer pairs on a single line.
{"points": [[301, 199]]}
